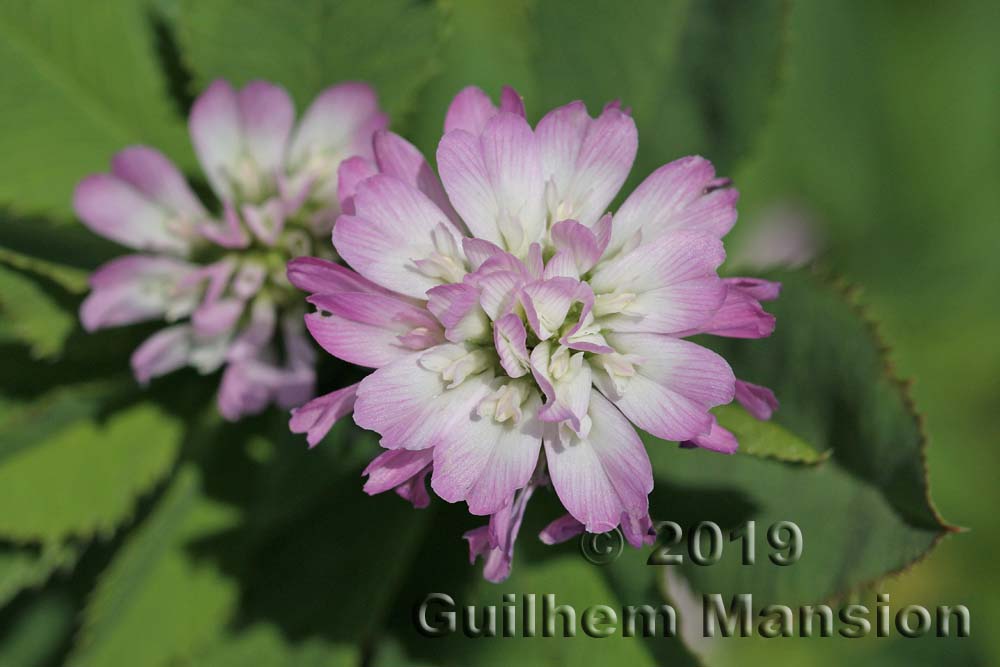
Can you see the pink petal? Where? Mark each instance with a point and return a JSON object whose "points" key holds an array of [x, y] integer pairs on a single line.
{"points": [[457, 307], [579, 244], [675, 384], [682, 195], [320, 276], [366, 329], [562, 529], [397, 157], [135, 288], [586, 159], [494, 181], [483, 462], [511, 100], [216, 133], [266, 118], [741, 315], [217, 317], [352, 171], [412, 407], [163, 352], [392, 468], [318, 416], [757, 400], [717, 439], [510, 341], [393, 227], [469, 111], [154, 176], [116, 210], [673, 280], [341, 120], [599, 477]]}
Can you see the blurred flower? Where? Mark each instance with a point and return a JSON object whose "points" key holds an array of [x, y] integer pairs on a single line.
{"points": [[518, 331], [783, 235], [220, 279]]}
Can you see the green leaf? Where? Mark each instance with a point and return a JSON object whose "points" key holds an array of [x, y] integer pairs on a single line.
{"points": [[37, 633], [64, 472], [698, 76], [158, 602], [78, 81], [766, 438], [61, 253], [262, 645], [308, 45], [864, 513], [489, 44], [442, 566], [29, 314], [22, 567]]}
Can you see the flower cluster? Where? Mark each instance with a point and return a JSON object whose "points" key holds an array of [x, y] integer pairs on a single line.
{"points": [[517, 329], [219, 279]]}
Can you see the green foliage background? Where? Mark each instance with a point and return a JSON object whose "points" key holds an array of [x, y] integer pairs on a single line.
{"points": [[138, 528]]}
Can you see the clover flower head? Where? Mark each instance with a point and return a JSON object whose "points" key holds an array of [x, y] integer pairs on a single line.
{"points": [[218, 279], [519, 331]]}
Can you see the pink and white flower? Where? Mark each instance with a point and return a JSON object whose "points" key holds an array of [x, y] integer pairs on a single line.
{"points": [[219, 279], [519, 331]]}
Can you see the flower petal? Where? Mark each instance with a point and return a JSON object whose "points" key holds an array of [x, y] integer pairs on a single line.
{"points": [[411, 406], [135, 288], [393, 227], [340, 122], [217, 135], [154, 176], [483, 462], [469, 111], [116, 210], [397, 157], [757, 400], [675, 383], [320, 276], [681, 195], [163, 352], [585, 159], [717, 439], [600, 476], [367, 329], [671, 284], [266, 118], [395, 467]]}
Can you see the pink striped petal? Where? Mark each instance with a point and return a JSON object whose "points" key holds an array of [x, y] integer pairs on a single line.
{"points": [[393, 227], [600, 476], [757, 400], [469, 111], [352, 171], [367, 329], [586, 160], [457, 307], [397, 157], [510, 341], [318, 416], [682, 195], [402, 470], [716, 439], [674, 384], [671, 283], [422, 410], [483, 462], [320, 276], [163, 352]]}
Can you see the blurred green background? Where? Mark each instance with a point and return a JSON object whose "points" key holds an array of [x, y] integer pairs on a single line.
{"points": [[876, 124]]}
